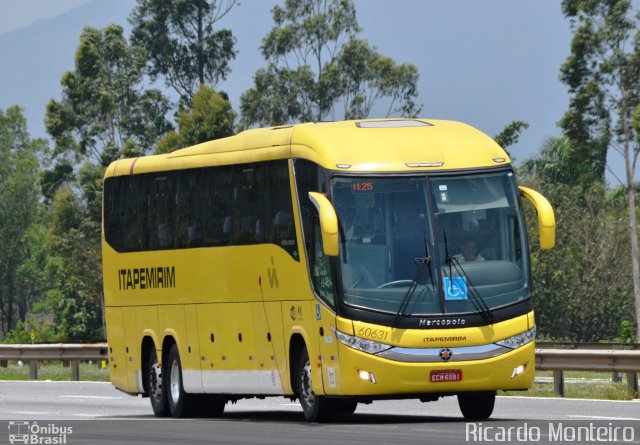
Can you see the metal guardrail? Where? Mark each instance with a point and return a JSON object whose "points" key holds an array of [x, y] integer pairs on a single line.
{"points": [[556, 357], [71, 352], [572, 357]]}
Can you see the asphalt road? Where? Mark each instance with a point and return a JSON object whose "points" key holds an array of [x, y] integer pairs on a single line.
{"points": [[96, 413]]}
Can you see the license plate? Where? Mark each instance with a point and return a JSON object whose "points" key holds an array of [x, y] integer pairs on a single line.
{"points": [[450, 375]]}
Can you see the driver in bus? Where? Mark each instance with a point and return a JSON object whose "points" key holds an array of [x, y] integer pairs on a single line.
{"points": [[468, 252]]}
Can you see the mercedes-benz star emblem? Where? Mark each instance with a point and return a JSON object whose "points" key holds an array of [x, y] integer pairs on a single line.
{"points": [[446, 354]]}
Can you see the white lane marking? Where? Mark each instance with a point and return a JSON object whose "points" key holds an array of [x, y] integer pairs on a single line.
{"points": [[29, 413], [90, 397], [566, 399], [603, 417]]}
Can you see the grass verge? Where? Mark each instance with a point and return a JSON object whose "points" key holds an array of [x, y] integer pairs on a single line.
{"points": [[579, 385], [55, 371]]}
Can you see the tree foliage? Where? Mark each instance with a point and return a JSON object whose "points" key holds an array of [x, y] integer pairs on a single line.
{"points": [[182, 43], [315, 63], [583, 289], [19, 210], [105, 113], [210, 117], [602, 74], [104, 106], [510, 135], [75, 299], [554, 163]]}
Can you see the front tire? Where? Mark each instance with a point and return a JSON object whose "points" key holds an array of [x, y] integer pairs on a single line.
{"points": [[477, 405], [180, 403], [315, 408]]}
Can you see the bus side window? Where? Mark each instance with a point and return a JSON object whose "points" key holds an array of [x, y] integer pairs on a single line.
{"points": [[276, 207], [113, 213], [283, 228]]}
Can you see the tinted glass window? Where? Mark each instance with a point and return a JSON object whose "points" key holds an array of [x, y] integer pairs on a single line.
{"points": [[311, 178], [206, 207]]}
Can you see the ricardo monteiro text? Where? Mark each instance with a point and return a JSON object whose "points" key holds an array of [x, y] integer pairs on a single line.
{"points": [[147, 278]]}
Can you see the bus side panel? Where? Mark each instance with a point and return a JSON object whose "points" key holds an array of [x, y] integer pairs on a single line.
{"points": [[210, 334], [192, 362], [328, 345], [228, 349], [117, 353], [240, 346], [299, 317], [172, 324], [147, 325], [132, 349], [269, 345]]}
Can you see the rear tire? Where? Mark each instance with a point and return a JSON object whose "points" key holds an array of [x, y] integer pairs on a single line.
{"points": [[315, 408], [180, 403], [477, 405], [156, 387]]}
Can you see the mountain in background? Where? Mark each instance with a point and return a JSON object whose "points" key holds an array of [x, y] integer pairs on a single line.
{"points": [[35, 57], [486, 65]]}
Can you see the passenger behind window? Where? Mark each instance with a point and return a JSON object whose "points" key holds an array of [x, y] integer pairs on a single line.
{"points": [[163, 235], [247, 232]]}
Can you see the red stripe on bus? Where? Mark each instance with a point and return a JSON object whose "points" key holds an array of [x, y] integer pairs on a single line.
{"points": [[133, 164]]}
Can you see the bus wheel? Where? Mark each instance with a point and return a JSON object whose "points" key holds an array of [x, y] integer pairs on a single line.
{"points": [[180, 403], [477, 405], [156, 388], [315, 408]]}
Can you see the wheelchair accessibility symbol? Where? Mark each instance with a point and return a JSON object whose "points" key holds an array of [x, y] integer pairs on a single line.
{"points": [[455, 288]]}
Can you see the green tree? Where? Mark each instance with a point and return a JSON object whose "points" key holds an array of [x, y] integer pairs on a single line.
{"points": [[582, 286], [315, 63], [103, 106], [602, 74], [210, 117], [554, 163], [182, 43], [104, 114], [75, 299], [510, 135], [19, 207]]}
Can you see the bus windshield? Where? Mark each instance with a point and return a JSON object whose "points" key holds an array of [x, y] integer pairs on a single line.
{"points": [[467, 229]]}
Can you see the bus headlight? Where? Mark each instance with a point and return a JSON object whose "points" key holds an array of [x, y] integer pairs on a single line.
{"points": [[360, 344], [519, 340]]}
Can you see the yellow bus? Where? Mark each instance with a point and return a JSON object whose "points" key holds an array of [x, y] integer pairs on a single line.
{"points": [[335, 263]]}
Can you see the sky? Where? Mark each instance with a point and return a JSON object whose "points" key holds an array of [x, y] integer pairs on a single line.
{"points": [[486, 63], [19, 14]]}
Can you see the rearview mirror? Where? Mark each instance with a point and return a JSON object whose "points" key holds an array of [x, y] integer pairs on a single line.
{"points": [[546, 218], [328, 223]]}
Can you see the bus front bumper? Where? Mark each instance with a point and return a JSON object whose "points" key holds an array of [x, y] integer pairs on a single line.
{"points": [[364, 374]]}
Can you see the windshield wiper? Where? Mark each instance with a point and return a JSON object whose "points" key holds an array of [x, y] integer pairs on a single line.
{"points": [[426, 259], [476, 299]]}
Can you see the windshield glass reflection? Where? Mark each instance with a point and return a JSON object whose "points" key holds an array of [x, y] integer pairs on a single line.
{"points": [[386, 231]]}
